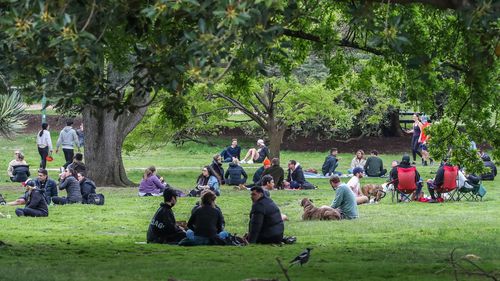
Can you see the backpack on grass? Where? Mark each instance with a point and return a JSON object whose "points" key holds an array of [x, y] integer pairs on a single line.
{"points": [[96, 199]]}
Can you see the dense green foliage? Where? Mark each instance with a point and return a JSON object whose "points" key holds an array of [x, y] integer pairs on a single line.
{"points": [[408, 241]]}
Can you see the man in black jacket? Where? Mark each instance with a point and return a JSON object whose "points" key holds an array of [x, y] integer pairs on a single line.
{"points": [[489, 176], [437, 182], [266, 225], [162, 228], [405, 163], [331, 163], [87, 187], [43, 182], [295, 176], [36, 206]]}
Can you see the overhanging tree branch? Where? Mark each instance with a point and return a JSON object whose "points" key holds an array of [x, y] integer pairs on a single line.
{"points": [[243, 109]]}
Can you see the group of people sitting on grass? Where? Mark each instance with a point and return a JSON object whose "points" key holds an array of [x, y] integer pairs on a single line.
{"points": [[43, 190], [373, 165]]}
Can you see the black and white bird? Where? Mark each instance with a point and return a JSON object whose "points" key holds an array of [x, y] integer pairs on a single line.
{"points": [[302, 257]]}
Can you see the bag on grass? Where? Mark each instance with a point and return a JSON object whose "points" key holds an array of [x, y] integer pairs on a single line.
{"points": [[95, 199], [308, 185]]}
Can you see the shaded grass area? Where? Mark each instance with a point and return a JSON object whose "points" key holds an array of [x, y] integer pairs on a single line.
{"points": [[409, 241]]}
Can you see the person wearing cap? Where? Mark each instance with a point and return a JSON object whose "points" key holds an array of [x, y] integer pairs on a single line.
{"points": [[235, 174], [256, 155], [355, 186], [345, 201], [259, 173], [43, 182], [68, 139], [231, 152], [405, 163], [163, 228], [36, 206], [374, 166], [276, 172], [489, 165], [18, 170]]}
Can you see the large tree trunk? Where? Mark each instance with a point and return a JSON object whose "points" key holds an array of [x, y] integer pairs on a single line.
{"points": [[393, 127], [275, 140], [104, 138]]}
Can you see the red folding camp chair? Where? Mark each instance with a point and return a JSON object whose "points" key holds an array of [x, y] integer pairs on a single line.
{"points": [[450, 182], [406, 184]]}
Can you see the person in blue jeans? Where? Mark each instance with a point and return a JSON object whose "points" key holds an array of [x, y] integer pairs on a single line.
{"points": [[206, 223], [231, 152]]}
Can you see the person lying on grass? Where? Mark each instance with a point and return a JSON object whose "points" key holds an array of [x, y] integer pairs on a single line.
{"points": [[72, 187], [36, 206], [151, 184], [205, 224], [163, 228], [345, 201], [266, 224]]}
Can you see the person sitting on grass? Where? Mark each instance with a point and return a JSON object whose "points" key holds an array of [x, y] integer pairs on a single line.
{"points": [[231, 152], [77, 165], [151, 185], [205, 224], [259, 174], [488, 164], [295, 178], [358, 161], [374, 166], [268, 185], [217, 168], [331, 163], [266, 223], [405, 163], [36, 205], [235, 174], [256, 155], [276, 172], [355, 186], [19, 170], [43, 182], [87, 186], [345, 201], [163, 228], [72, 186], [206, 180]]}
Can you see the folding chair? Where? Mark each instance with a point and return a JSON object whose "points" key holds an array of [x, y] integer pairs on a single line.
{"points": [[470, 192], [406, 184], [450, 183]]}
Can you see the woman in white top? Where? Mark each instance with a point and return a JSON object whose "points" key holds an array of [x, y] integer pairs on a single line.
{"points": [[44, 143], [358, 161]]}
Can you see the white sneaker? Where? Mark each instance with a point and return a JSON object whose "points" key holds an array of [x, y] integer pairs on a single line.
{"points": [[243, 162], [250, 162]]}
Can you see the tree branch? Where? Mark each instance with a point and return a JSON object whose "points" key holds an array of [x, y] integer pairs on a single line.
{"points": [[89, 18], [242, 108], [341, 43], [218, 109]]}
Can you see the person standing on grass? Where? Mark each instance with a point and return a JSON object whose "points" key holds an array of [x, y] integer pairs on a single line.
{"points": [[163, 228], [68, 139], [36, 206], [345, 201], [44, 144], [266, 223], [355, 186], [416, 130], [374, 166], [72, 186], [81, 135]]}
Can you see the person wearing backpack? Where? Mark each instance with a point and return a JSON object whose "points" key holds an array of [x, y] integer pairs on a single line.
{"points": [[87, 187], [163, 228], [36, 206]]}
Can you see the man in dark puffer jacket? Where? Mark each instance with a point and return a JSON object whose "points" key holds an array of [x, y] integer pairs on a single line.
{"points": [[163, 228], [234, 173], [87, 187], [266, 224]]}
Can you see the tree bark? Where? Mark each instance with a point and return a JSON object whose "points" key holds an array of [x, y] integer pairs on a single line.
{"points": [[275, 140], [104, 138], [393, 129]]}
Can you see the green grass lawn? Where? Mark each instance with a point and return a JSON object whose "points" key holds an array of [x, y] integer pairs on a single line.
{"points": [[408, 241]]}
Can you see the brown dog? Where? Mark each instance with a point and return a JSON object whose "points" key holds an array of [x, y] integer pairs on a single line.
{"points": [[375, 191], [321, 213]]}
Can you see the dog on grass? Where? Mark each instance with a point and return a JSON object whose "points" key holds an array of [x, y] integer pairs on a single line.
{"points": [[315, 213], [375, 191]]}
